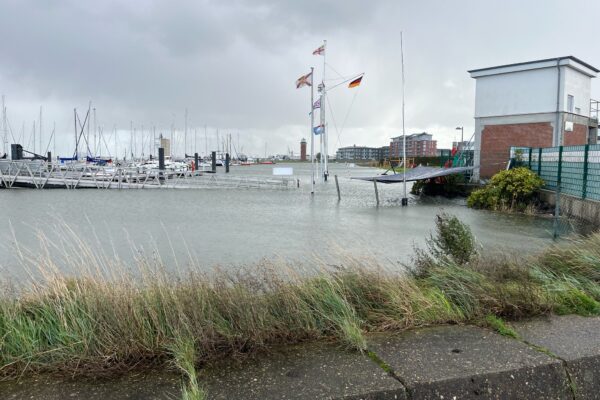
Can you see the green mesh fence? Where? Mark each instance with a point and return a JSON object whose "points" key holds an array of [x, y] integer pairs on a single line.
{"points": [[577, 168]]}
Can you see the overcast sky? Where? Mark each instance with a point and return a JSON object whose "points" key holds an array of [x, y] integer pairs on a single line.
{"points": [[233, 64]]}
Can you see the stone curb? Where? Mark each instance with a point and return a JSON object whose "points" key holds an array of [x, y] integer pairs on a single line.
{"points": [[466, 362], [575, 341], [555, 358]]}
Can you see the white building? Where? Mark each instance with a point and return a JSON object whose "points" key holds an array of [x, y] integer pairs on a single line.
{"points": [[539, 103]]}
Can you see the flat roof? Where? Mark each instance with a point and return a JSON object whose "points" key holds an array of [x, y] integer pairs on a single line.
{"points": [[572, 58]]}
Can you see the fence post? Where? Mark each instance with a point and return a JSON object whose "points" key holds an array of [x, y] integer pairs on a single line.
{"points": [[557, 205], [530, 152], [539, 172], [585, 171]]}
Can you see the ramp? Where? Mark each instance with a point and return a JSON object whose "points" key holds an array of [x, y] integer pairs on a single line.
{"points": [[417, 174]]}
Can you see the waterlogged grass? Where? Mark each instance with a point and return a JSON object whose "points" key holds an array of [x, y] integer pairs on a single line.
{"points": [[108, 319]]}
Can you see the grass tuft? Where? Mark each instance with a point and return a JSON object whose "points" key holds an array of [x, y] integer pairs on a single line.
{"points": [[498, 324]]}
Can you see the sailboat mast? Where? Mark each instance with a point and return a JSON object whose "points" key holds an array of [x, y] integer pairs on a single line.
{"points": [[54, 139], [185, 134], [131, 139], [34, 137], [87, 139], [4, 130], [4, 127], [116, 142], [40, 138], [76, 141], [404, 199], [95, 134]]}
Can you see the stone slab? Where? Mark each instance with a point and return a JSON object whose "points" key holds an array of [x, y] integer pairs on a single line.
{"points": [[147, 385], [310, 371], [465, 362], [574, 339]]}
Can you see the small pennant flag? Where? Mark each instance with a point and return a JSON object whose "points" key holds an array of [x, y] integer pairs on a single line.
{"points": [[317, 104], [355, 82], [304, 80], [318, 129], [320, 51]]}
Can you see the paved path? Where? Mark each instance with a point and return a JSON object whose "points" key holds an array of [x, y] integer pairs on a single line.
{"points": [[554, 358]]}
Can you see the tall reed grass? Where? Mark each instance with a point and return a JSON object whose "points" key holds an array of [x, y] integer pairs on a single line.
{"points": [[108, 317]]}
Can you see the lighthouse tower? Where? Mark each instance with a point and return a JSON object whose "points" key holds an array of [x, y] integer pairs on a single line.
{"points": [[303, 150]]}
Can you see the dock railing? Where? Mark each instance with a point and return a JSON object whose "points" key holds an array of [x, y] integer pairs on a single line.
{"points": [[42, 175]]}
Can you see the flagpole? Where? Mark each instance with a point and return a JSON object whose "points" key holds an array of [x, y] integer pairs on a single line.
{"points": [[312, 136], [324, 94], [404, 199]]}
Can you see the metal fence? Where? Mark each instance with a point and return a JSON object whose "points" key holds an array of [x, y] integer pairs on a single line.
{"points": [[576, 169]]}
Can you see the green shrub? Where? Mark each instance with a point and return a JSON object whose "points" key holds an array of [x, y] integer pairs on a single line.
{"points": [[453, 243], [513, 189]]}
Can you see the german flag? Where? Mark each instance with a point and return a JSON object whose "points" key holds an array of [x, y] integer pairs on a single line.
{"points": [[355, 82]]}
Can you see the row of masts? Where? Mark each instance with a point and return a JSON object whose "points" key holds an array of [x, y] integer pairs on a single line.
{"points": [[92, 139]]}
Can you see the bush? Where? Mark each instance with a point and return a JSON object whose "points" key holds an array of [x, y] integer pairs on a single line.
{"points": [[513, 189], [453, 243]]}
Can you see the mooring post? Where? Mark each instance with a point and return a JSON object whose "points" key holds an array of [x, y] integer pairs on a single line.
{"points": [[49, 161], [214, 161], [376, 192], [161, 158], [337, 186], [297, 183], [227, 159], [196, 162], [16, 151]]}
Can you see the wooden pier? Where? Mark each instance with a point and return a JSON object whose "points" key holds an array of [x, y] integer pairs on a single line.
{"points": [[39, 174]]}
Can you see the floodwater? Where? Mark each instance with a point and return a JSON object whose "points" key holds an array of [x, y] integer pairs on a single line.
{"points": [[242, 226]]}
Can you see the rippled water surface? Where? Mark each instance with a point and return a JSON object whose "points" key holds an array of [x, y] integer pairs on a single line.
{"points": [[241, 226]]}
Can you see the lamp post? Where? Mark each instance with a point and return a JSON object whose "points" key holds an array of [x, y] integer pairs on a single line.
{"points": [[462, 132]]}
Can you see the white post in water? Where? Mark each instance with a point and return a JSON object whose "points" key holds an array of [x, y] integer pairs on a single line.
{"points": [[404, 199], [312, 133]]}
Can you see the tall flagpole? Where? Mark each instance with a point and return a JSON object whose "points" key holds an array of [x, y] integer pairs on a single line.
{"points": [[312, 134], [404, 199], [323, 100]]}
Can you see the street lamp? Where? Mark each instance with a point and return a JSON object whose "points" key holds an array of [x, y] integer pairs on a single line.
{"points": [[462, 131]]}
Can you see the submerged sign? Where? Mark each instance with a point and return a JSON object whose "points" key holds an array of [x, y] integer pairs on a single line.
{"points": [[283, 171]]}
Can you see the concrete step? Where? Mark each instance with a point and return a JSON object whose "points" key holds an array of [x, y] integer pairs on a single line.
{"points": [[310, 371], [466, 362], [576, 341]]}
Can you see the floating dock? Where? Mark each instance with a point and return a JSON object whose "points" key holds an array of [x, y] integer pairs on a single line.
{"points": [[39, 174]]}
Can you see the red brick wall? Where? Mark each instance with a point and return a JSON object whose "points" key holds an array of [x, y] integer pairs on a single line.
{"points": [[577, 137], [496, 141]]}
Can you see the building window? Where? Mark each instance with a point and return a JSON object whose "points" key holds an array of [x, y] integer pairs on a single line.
{"points": [[570, 103]]}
